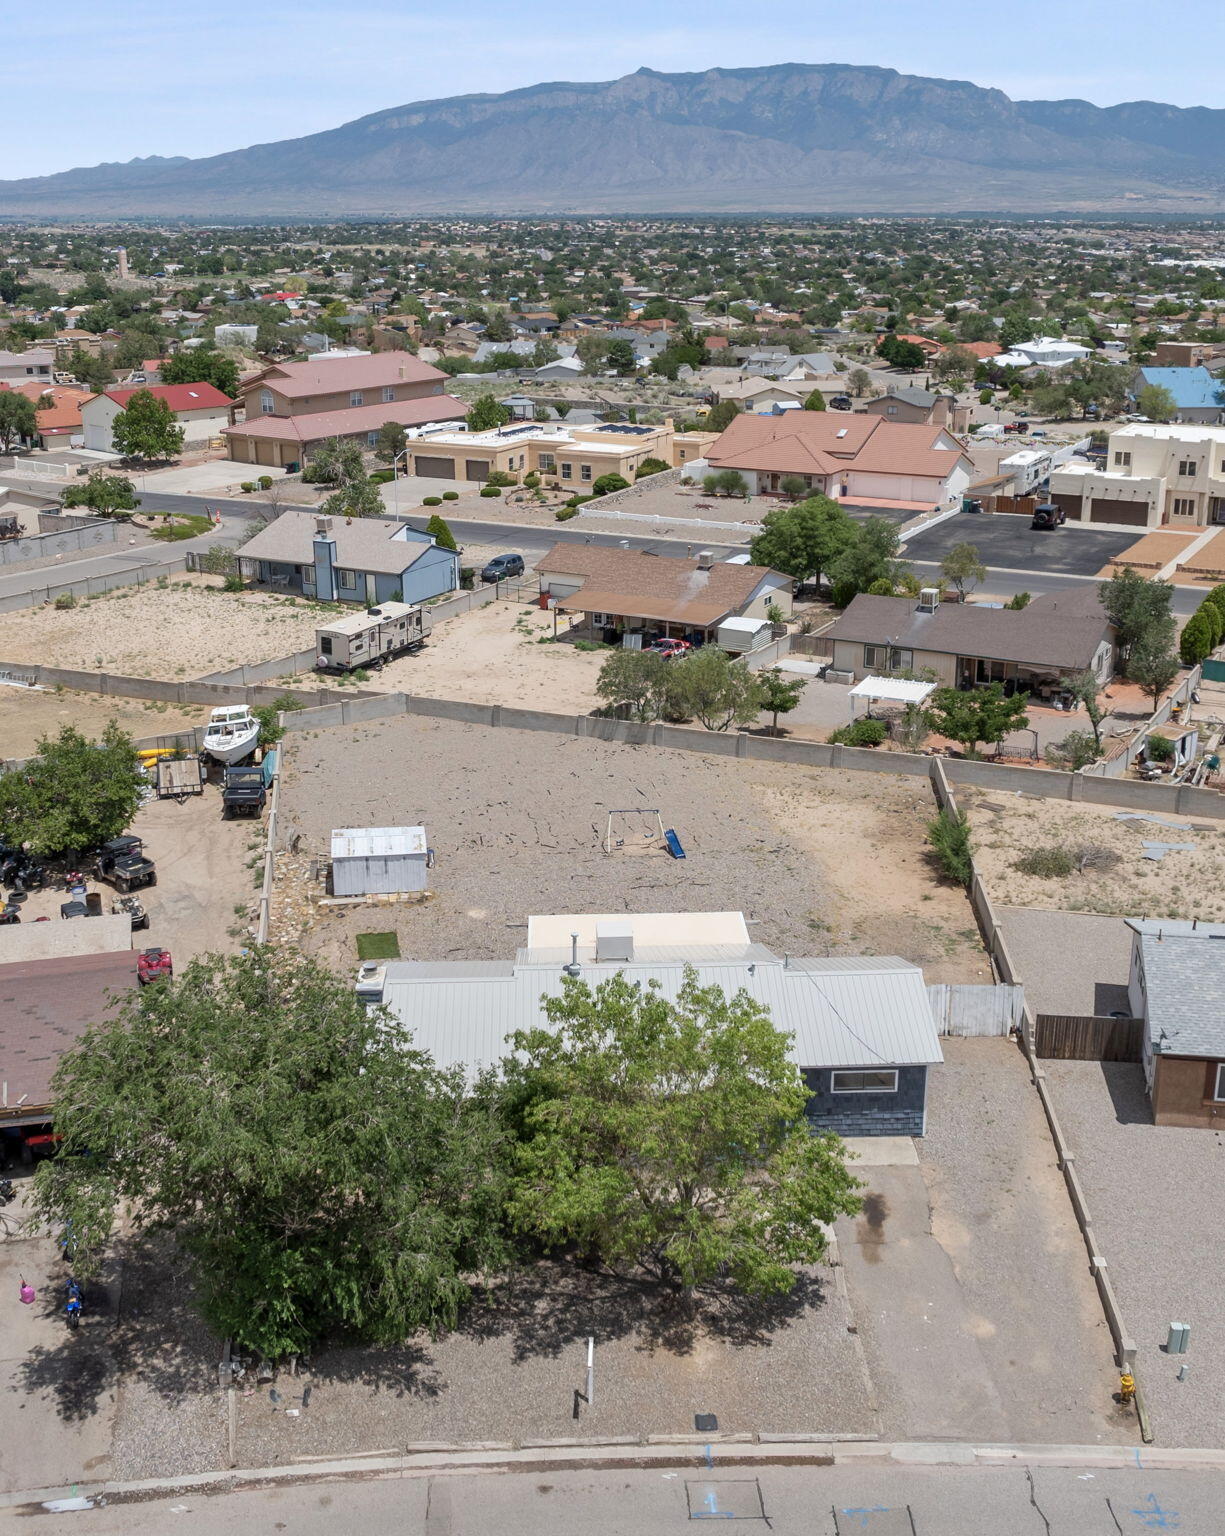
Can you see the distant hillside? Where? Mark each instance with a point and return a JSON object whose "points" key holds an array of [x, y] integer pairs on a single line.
{"points": [[791, 137]]}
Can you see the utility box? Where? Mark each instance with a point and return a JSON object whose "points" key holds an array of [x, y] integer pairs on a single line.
{"points": [[372, 861], [1178, 1338]]}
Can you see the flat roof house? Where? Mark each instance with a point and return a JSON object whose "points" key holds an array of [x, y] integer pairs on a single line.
{"points": [[201, 410], [1176, 985], [366, 560], [1155, 476], [624, 591], [1030, 650], [853, 458], [862, 1031], [572, 456]]}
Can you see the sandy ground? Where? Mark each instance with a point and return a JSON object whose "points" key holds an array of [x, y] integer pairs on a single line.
{"points": [[819, 861], [27, 714], [186, 629], [1184, 884]]}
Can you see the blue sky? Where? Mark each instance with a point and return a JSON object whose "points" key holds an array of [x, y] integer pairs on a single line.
{"points": [[89, 83]]}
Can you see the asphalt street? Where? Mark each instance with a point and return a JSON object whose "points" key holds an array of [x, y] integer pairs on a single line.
{"points": [[879, 1500]]}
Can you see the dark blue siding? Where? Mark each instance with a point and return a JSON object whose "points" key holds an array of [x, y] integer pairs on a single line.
{"points": [[868, 1114]]}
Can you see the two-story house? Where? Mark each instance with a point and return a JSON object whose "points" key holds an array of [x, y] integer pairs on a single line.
{"points": [[1155, 476], [293, 407], [20, 367]]}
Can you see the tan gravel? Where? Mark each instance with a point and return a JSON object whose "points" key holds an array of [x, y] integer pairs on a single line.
{"points": [[27, 714]]}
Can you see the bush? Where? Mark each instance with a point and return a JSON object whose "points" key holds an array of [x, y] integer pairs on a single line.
{"points": [[793, 486], [233, 582], [607, 484], [265, 482], [381, 476], [500, 477], [650, 467], [467, 578], [1054, 863], [1196, 640], [491, 490], [450, 495], [66, 600], [431, 501], [861, 733], [564, 514], [248, 486], [949, 837], [1158, 748]]}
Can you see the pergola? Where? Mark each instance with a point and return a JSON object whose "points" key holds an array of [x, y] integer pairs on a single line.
{"points": [[890, 690]]}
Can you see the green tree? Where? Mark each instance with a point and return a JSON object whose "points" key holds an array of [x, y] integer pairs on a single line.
{"points": [[1076, 751], [815, 401], [1018, 600], [650, 467], [336, 461], [146, 429], [1152, 664], [319, 1175], [1015, 330], [620, 357], [355, 498], [487, 414], [805, 539], [1053, 400], [716, 690], [18, 419], [1138, 607], [1197, 638], [963, 566], [871, 556], [1086, 690], [439, 530], [778, 694], [390, 442], [73, 794], [720, 416], [107, 495], [672, 1135], [607, 484], [202, 366], [544, 352], [979, 714], [635, 681], [1157, 403], [859, 380], [954, 363], [95, 373]]}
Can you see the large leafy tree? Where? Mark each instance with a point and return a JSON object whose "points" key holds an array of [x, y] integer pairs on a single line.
{"points": [[354, 498], [803, 540], [672, 1135], [1152, 663], [319, 1175], [869, 559], [777, 694], [18, 419], [979, 714], [620, 357], [1138, 608], [202, 366], [146, 428], [73, 794], [107, 495], [718, 691], [963, 566], [1157, 403], [391, 441], [336, 461], [486, 414], [634, 680]]}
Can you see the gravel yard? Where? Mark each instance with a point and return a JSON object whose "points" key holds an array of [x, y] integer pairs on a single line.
{"points": [[187, 628], [1157, 1194], [819, 861], [1184, 884]]}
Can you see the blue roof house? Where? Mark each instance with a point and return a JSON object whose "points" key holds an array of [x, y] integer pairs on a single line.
{"points": [[1197, 395]]}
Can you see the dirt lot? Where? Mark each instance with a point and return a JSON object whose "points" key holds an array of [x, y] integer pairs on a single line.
{"points": [[188, 628], [1184, 884], [26, 714], [819, 861]]}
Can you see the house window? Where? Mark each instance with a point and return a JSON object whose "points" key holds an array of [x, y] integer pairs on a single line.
{"points": [[1218, 1091], [1123, 459], [891, 410], [567, 471], [864, 1082], [356, 397], [266, 403], [372, 439], [887, 658], [547, 463], [389, 393], [1184, 506], [1187, 468], [584, 471], [347, 580]]}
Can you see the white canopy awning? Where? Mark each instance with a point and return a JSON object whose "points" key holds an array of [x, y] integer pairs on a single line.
{"points": [[893, 690]]}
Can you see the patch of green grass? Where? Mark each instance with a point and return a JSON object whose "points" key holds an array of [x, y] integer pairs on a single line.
{"points": [[378, 946], [187, 526]]}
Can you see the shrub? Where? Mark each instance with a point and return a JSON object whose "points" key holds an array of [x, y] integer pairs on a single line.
{"points": [[265, 482], [248, 486], [1158, 748], [467, 578], [500, 477], [1196, 640], [450, 495], [531, 480], [1054, 863], [66, 600], [949, 837], [607, 484], [650, 467], [381, 476], [861, 733], [564, 514], [431, 501], [441, 534], [233, 582], [491, 490], [793, 486]]}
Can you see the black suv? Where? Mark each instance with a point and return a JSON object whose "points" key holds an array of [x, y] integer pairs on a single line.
{"points": [[502, 566]]}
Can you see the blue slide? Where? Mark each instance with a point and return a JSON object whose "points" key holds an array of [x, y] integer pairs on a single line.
{"points": [[673, 844]]}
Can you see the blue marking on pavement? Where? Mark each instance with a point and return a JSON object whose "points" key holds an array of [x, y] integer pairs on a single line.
{"points": [[710, 1460], [712, 1510], [1154, 1518], [863, 1514]]}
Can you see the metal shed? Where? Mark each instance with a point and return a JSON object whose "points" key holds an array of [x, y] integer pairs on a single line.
{"points": [[369, 861]]}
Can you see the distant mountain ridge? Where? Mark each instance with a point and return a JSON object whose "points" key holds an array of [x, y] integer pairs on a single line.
{"points": [[784, 138]]}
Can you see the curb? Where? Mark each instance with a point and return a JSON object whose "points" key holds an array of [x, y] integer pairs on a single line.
{"points": [[681, 1451]]}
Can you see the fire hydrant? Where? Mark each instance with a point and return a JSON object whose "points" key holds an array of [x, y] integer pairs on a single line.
{"points": [[1127, 1387]]}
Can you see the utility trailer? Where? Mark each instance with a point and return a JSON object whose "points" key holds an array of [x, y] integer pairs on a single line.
{"points": [[369, 639], [178, 777]]}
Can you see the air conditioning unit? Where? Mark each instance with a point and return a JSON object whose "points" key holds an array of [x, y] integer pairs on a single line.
{"points": [[929, 599]]}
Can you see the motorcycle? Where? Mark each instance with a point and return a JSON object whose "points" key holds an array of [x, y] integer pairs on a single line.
{"points": [[72, 1307]]}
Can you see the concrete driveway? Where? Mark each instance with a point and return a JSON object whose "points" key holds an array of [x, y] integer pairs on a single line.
{"points": [[1008, 542]]}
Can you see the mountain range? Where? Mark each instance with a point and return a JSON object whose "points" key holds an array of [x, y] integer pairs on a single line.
{"points": [[785, 138]]}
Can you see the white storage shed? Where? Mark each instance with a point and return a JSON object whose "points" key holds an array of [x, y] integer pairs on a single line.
{"points": [[369, 861], [743, 635]]}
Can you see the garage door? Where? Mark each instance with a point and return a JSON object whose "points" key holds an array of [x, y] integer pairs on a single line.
{"points": [[435, 469], [1105, 510], [1069, 502], [476, 469]]}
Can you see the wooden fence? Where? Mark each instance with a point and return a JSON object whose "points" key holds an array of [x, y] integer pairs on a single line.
{"points": [[811, 645], [1087, 1037]]}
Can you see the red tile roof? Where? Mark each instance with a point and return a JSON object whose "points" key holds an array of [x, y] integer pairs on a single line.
{"points": [[823, 443], [326, 376], [64, 416], [179, 397], [312, 427]]}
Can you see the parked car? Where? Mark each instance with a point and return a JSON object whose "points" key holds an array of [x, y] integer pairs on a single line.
{"points": [[1048, 514], [668, 647], [841, 403], [502, 566]]}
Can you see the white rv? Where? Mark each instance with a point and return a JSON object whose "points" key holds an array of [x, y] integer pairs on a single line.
{"points": [[371, 638]]}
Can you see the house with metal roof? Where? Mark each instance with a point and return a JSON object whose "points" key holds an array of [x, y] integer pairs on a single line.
{"points": [[1197, 394], [1177, 987], [861, 1029]]}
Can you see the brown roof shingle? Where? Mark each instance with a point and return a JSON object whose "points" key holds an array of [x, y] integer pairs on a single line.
{"points": [[629, 582]]}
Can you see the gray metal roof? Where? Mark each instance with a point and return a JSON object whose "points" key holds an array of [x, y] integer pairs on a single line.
{"points": [[1184, 986], [841, 1012]]}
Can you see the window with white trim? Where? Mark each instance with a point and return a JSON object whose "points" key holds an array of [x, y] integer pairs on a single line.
{"points": [[389, 393], [887, 658], [347, 580], [266, 403], [877, 1080], [1184, 506], [1218, 1091], [372, 439], [567, 471], [356, 397], [584, 471], [547, 463]]}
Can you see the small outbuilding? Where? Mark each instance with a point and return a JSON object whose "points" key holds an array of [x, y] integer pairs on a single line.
{"points": [[379, 861]]}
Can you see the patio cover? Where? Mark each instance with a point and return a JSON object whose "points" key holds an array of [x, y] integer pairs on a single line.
{"points": [[892, 690]]}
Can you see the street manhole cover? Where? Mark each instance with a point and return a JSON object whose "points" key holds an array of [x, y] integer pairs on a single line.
{"points": [[725, 1500]]}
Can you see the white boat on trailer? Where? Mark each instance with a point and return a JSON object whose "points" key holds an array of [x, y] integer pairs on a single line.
{"points": [[232, 733]]}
